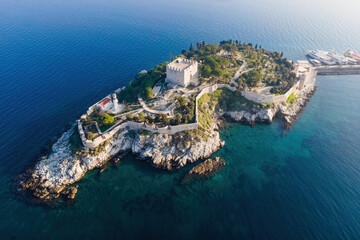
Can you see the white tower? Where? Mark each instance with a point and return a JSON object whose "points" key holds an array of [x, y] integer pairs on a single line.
{"points": [[116, 103]]}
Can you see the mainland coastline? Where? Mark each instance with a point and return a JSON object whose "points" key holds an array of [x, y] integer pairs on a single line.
{"points": [[171, 115]]}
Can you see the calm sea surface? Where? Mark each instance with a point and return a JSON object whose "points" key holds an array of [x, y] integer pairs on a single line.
{"points": [[58, 57]]}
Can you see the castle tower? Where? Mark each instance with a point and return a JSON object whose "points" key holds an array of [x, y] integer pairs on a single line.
{"points": [[116, 103]]}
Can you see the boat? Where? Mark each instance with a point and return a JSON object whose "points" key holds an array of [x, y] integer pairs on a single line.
{"points": [[322, 56], [341, 59], [352, 54], [315, 62]]}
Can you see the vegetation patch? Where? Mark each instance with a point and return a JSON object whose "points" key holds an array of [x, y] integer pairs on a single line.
{"points": [[143, 84], [291, 99], [75, 142]]}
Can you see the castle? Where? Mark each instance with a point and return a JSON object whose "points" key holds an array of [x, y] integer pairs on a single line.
{"points": [[182, 72]]}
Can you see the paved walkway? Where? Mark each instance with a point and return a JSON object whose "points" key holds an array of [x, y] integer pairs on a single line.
{"points": [[239, 73], [146, 108]]}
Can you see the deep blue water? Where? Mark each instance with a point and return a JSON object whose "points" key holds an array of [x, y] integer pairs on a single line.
{"points": [[58, 57]]}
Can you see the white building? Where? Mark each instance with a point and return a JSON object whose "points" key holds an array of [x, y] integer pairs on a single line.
{"points": [[182, 72], [110, 104]]}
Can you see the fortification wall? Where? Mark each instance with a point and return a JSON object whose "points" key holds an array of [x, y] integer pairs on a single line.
{"points": [[253, 96], [133, 126], [191, 75], [174, 76]]}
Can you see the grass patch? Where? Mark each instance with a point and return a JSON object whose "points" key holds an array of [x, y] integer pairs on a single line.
{"points": [[232, 101], [75, 142], [144, 132], [291, 99], [225, 100]]}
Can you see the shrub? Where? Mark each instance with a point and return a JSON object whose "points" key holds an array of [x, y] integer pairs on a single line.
{"points": [[106, 119], [291, 99], [90, 136]]}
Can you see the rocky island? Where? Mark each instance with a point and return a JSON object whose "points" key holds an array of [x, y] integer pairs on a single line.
{"points": [[171, 115]]}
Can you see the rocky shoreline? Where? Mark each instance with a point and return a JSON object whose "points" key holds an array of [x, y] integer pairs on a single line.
{"points": [[286, 112], [290, 113], [52, 176]]}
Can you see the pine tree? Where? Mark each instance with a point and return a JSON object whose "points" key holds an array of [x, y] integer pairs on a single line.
{"points": [[184, 52], [198, 45], [192, 49]]}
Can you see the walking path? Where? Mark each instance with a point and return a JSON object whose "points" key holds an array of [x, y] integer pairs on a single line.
{"points": [[239, 73], [146, 108]]}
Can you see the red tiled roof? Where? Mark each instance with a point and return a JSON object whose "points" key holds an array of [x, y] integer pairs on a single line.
{"points": [[104, 102]]}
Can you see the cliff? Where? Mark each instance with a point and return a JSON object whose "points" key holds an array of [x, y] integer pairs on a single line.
{"points": [[50, 177]]}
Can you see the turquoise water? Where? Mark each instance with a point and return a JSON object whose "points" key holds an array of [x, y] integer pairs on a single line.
{"points": [[58, 58]]}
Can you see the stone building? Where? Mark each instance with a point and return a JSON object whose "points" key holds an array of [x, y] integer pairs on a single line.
{"points": [[182, 72]]}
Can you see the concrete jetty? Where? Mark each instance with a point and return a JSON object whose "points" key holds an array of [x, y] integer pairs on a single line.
{"points": [[338, 70]]}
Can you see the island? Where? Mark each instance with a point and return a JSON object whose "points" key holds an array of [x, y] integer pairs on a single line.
{"points": [[171, 115]]}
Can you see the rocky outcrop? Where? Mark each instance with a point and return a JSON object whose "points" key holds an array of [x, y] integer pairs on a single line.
{"points": [[253, 116], [175, 151], [50, 177], [53, 173], [205, 169], [290, 112]]}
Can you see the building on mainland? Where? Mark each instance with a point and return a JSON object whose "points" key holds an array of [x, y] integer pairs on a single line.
{"points": [[182, 72]]}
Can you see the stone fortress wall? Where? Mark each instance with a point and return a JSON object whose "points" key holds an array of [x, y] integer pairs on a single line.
{"points": [[151, 128], [306, 79], [182, 72]]}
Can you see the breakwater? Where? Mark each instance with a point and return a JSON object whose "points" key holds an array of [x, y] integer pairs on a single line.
{"points": [[339, 70]]}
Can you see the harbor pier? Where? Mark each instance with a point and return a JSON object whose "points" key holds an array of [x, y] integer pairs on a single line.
{"points": [[338, 70]]}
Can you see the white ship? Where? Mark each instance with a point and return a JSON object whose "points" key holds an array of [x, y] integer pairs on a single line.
{"points": [[352, 54], [322, 56], [341, 59]]}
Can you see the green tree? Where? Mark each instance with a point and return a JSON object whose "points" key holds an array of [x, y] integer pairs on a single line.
{"points": [[164, 119], [184, 52], [178, 118], [106, 119], [90, 136], [142, 116], [253, 78], [205, 70], [192, 49], [182, 101], [148, 93]]}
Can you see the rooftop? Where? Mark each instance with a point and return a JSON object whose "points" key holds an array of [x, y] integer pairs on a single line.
{"points": [[180, 63]]}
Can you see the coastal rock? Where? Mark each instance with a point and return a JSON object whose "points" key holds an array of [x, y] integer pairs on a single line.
{"points": [[170, 152], [61, 168], [70, 192], [206, 168], [263, 115], [290, 112], [51, 176]]}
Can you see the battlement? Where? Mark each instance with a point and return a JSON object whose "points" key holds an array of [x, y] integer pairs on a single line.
{"points": [[182, 72], [181, 64]]}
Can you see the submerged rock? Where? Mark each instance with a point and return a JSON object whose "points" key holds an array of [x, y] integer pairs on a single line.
{"points": [[206, 168], [70, 192]]}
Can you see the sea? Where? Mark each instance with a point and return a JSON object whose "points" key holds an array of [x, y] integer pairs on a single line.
{"points": [[59, 57]]}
